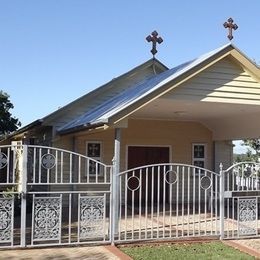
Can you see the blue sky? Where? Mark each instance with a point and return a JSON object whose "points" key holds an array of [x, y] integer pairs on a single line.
{"points": [[54, 51]]}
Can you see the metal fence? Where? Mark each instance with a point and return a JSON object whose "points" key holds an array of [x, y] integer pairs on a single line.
{"points": [[51, 196]]}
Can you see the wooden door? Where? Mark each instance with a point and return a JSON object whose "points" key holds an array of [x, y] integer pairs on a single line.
{"points": [[145, 155]]}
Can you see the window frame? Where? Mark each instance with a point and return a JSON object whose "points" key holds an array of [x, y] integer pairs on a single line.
{"points": [[96, 158], [201, 159]]}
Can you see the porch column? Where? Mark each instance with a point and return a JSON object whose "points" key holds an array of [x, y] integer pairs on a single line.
{"points": [[115, 190], [223, 151]]}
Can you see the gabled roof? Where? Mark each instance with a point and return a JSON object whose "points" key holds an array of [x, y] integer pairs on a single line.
{"points": [[151, 87]]}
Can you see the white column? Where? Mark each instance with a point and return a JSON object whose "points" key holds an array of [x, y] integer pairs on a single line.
{"points": [[223, 151]]}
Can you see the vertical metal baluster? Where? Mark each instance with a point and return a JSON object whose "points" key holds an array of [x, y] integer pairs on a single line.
{"points": [[152, 201], [211, 203], [70, 174], [237, 217], [227, 189], [14, 166], [8, 166], [61, 198], [140, 203], [194, 199], [133, 210], [199, 186], [146, 200], [126, 192], [243, 177], [56, 166], [79, 170], [233, 216], [182, 201], [158, 201], [96, 170], [188, 205], [88, 167], [70, 218], [61, 168], [105, 173], [120, 206], [205, 207], [40, 168], [164, 194], [170, 214], [104, 218], [216, 197], [48, 170], [79, 219], [177, 201]]}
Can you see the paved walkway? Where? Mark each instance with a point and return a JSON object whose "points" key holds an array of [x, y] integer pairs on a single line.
{"points": [[250, 246], [64, 253]]}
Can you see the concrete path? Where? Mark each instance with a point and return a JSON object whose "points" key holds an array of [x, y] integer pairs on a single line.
{"points": [[65, 253], [249, 246]]}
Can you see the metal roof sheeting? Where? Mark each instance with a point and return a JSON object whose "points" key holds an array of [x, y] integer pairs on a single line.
{"points": [[111, 107]]}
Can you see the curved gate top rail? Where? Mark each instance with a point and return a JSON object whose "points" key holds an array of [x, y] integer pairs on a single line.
{"points": [[168, 166], [51, 165]]}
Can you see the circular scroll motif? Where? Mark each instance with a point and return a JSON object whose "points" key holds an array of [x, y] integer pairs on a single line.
{"points": [[48, 161], [133, 183], [3, 160], [170, 177], [205, 182]]}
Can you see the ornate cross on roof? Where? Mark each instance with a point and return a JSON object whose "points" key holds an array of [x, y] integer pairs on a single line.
{"points": [[229, 24], [154, 39]]}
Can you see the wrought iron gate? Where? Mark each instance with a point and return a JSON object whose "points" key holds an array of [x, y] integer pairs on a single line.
{"points": [[167, 201], [51, 196], [241, 198]]}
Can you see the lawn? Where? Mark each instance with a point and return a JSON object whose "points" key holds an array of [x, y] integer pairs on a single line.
{"points": [[206, 250]]}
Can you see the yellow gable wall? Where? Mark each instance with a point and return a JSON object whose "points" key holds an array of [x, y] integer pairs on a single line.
{"points": [[178, 135], [225, 82]]}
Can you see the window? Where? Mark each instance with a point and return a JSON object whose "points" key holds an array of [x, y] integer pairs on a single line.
{"points": [[94, 150], [199, 155]]}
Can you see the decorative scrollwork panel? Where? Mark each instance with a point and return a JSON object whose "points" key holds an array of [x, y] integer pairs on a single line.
{"points": [[47, 218], [247, 216], [91, 216], [6, 219]]}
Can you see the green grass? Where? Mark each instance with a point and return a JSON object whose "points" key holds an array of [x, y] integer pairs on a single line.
{"points": [[206, 250]]}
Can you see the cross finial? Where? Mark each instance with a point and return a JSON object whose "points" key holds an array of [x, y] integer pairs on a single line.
{"points": [[231, 26], [154, 39]]}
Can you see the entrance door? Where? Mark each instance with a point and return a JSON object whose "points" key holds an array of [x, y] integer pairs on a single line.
{"points": [[153, 182]]}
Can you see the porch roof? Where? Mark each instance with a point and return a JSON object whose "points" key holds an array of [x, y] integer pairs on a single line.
{"points": [[101, 114]]}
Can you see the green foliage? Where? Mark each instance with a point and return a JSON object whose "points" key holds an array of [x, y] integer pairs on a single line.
{"points": [[8, 123], [212, 250], [253, 152]]}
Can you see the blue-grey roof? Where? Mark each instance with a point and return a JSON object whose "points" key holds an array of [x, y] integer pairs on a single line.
{"points": [[111, 107]]}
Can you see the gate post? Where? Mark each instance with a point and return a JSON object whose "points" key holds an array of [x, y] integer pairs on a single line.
{"points": [[23, 196], [221, 200], [115, 185]]}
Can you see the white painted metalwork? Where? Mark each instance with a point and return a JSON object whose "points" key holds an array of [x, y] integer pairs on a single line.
{"points": [[58, 199], [60, 193], [91, 216], [241, 200], [247, 216], [167, 201], [47, 212], [6, 217]]}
